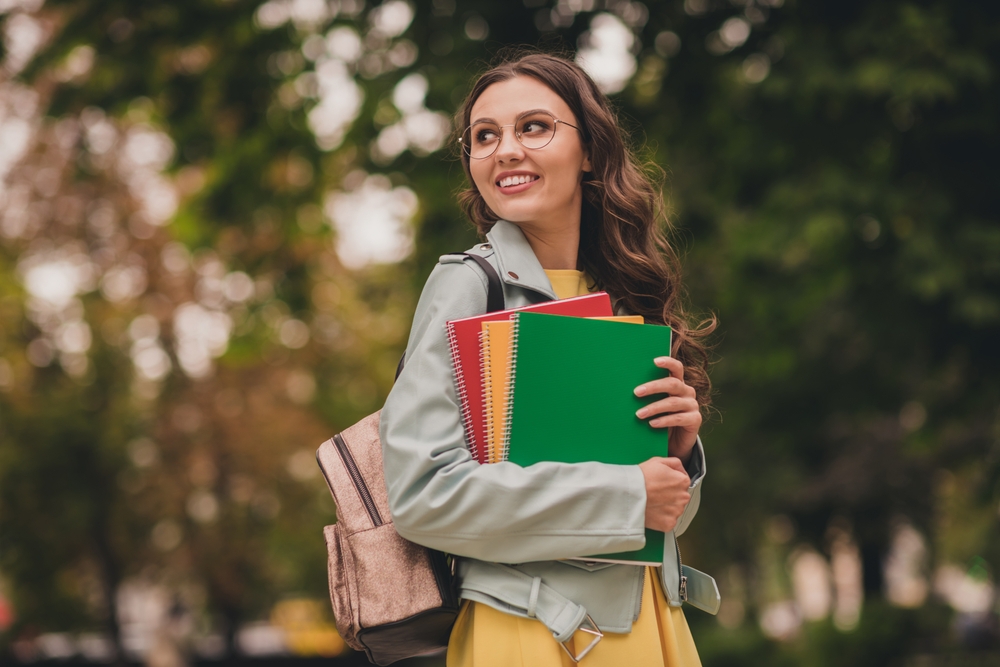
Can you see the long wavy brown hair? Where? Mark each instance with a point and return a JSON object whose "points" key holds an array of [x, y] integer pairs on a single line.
{"points": [[623, 244]]}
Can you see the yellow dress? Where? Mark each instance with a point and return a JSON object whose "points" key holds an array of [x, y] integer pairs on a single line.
{"points": [[485, 637]]}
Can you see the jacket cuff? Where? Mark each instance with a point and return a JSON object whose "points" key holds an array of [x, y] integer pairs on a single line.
{"points": [[635, 489], [696, 464]]}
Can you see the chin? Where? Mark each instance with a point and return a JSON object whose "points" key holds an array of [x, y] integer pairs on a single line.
{"points": [[515, 213], [514, 218]]}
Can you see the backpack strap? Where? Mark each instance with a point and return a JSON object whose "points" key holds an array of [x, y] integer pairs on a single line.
{"points": [[494, 294]]}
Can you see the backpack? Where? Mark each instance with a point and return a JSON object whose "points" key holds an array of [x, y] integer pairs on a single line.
{"points": [[392, 599]]}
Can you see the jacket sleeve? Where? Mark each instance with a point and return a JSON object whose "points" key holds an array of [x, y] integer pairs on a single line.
{"points": [[439, 496]]}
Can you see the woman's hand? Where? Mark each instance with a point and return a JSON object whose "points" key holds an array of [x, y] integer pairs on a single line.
{"points": [[678, 412], [666, 492]]}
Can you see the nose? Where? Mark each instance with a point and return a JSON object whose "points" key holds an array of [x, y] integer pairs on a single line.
{"points": [[510, 148]]}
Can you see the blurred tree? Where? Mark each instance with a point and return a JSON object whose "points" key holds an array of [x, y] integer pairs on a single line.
{"points": [[221, 214], [177, 466], [825, 165], [826, 169]]}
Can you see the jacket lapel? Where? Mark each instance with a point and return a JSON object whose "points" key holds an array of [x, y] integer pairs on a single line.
{"points": [[516, 261]]}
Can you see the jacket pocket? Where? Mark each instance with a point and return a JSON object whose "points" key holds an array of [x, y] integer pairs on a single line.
{"points": [[588, 565]]}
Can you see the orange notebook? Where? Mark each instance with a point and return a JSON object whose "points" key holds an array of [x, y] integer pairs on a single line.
{"points": [[496, 378]]}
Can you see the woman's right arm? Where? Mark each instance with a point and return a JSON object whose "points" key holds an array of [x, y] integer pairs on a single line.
{"points": [[441, 497]]}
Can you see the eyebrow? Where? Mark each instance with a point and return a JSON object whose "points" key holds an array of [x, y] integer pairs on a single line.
{"points": [[520, 115]]}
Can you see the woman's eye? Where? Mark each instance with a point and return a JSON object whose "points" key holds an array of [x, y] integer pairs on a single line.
{"points": [[485, 136], [535, 127]]}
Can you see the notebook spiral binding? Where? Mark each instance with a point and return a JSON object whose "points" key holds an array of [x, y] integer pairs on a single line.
{"points": [[487, 373], [511, 372], [470, 436]]}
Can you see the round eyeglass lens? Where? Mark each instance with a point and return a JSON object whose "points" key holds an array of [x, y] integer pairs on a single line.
{"points": [[481, 140], [536, 130], [533, 130]]}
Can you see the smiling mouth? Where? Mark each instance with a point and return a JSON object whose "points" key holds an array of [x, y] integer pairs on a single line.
{"points": [[516, 180]]}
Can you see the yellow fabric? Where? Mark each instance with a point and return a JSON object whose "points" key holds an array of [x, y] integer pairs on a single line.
{"points": [[569, 282], [660, 637], [485, 637]]}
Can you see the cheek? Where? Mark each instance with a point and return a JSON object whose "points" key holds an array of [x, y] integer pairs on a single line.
{"points": [[480, 176], [565, 182]]}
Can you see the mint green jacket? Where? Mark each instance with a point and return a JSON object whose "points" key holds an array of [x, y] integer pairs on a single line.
{"points": [[531, 517]]}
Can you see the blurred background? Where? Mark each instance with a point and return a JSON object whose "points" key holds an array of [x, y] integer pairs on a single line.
{"points": [[216, 217]]}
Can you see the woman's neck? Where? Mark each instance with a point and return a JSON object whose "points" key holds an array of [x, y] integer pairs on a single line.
{"points": [[554, 248]]}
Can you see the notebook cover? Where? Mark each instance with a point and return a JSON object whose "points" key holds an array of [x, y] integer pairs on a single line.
{"points": [[496, 353], [496, 371], [571, 399], [463, 339]]}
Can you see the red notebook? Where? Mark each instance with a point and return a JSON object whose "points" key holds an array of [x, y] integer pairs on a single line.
{"points": [[466, 355]]}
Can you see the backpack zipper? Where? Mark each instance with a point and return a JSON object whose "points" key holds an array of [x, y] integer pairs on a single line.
{"points": [[358, 480]]}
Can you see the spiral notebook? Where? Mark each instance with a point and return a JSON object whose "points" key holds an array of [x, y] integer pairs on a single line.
{"points": [[466, 355], [496, 373], [570, 399]]}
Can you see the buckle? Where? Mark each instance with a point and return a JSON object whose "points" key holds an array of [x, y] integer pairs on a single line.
{"points": [[592, 630]]}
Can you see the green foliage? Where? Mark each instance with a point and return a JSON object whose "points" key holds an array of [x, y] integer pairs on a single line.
{"points": [[829, 179]]}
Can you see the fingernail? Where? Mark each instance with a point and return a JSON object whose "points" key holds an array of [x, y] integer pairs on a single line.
{"points": [[641, 413], [660, 360], [640, 390]]}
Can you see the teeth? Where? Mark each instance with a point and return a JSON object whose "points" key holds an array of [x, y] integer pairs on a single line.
{"points": [[516, 180]]}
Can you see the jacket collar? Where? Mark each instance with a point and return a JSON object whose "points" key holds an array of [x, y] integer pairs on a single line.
{"points": [[516, 261]]}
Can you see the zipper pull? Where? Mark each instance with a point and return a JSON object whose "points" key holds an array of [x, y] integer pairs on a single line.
{"points": [[684, 589]]}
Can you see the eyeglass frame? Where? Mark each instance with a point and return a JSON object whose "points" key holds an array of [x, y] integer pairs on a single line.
{"points": [[467, 149]]}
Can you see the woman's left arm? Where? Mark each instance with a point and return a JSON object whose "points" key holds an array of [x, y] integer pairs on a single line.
{"points": [[680, 413]]}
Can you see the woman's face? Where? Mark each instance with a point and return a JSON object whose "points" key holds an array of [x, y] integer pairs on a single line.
{"points": [[538, 188]]}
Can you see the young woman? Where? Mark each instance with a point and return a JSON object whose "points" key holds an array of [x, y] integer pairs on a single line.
{"points": [[565, 210]]}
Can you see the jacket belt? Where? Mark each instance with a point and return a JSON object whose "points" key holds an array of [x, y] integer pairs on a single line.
{"points": [[525, 595]]}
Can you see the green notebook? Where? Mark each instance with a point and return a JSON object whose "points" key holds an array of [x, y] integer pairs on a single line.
{"points": [[570, 398]]}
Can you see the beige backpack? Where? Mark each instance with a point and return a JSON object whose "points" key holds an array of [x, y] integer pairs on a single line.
{"points": [[392, 599]]}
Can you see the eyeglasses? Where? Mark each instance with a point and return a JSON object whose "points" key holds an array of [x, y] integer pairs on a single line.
{"points": [[534, 130]]}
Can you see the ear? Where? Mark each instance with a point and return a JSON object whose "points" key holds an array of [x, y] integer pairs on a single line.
{"points": [[587, 167]]}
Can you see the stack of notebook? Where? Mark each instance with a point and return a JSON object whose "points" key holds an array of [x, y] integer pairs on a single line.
{"points": [[554, 382], [464, 338], [496, 370]]}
